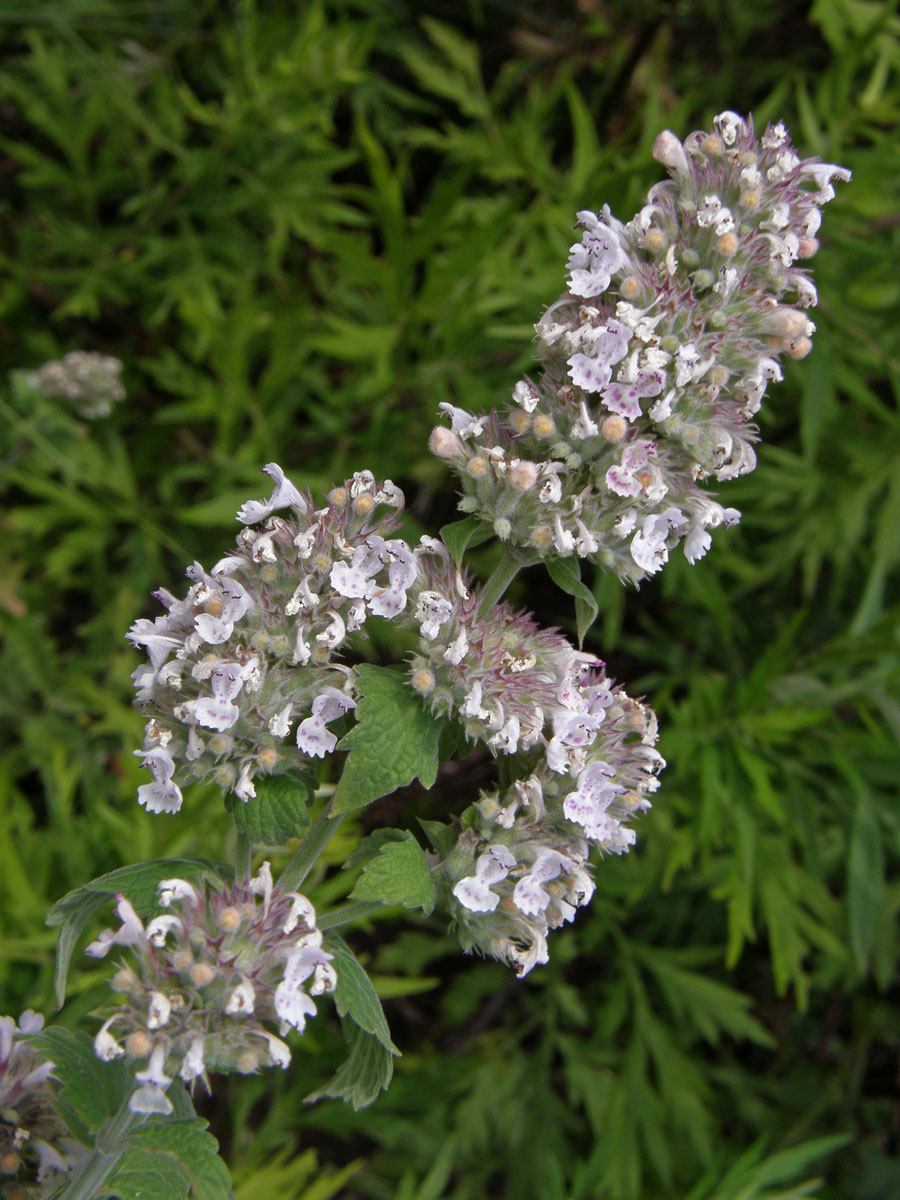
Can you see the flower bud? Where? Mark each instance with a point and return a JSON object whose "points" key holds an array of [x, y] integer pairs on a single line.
{"points": [[523, 476], [655, 241], [444, 443], [668, 150], [423, 681], [137, 1044], [614, 428]]}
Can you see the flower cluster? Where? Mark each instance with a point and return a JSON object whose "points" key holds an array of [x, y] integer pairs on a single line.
{"points": [[656, 359], [580, 754], [87, 381], [33, 1142], [242, 675], [209, 976]]}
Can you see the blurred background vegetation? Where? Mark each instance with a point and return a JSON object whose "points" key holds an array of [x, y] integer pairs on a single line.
{"points": [[303, 225]]}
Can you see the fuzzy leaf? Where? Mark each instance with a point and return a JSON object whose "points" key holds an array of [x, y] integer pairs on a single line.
{"points": [[355, 995], [365, 1074], [566, 574], [398, 874], [91, 1091], [394, 741], [458, 536], [441, 837], [138, 882], [169, 1158], [277, 812]]}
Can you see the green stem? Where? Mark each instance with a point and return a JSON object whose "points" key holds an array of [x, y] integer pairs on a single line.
{"points": [[349, 912], [96, 1168], [320, 834], [510, 564], [242, 857]]}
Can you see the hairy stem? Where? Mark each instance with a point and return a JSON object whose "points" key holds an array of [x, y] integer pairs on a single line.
{"points": [[88, 1178], [242, 857], [510, 564], [320, 834], [349, 912]]}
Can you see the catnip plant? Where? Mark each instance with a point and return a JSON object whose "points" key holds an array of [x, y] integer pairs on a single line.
{"points": [[653, 364]]}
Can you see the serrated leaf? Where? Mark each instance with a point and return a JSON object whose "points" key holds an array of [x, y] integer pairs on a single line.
{"points": [[398, 874], [458, 536], [394, 741], [355, 995], [277, 812], [168, 1158], [865, 880], [566, 574], [91, 1091], [138, 882], [366, 848], [366, 1073], [441, 837]]}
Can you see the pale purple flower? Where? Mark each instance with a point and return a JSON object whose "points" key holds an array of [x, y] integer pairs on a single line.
{"points": [[595, 259], [589, 374], [152, 1098], [284, 495], [130, 932], [163, 795]]}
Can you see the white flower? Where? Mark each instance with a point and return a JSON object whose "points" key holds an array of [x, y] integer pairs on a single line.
{"points": [[159, 1010], [432, 611], [130, 933], [170, 890], [279, 1051], [193, 1065], [595, 259], [160, 927], [105, 1045], [241, 1001], [285, 495], [152, 1098], [492, 867]]}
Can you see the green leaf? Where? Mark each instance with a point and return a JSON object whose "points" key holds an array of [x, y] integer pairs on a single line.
{"points": [[367, 848], [277, 812], [566, 574], [138, 882], [91, 1091], [398, 874], [167, 1159], [441, 837], [865, 879], [355, 995], [458, 536], [394, 741], [366, 1073]]}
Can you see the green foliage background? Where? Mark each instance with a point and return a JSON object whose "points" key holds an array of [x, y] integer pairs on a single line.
{"points": [[302, 226]]}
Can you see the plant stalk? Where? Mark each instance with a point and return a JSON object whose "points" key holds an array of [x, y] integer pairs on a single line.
{"points": [[510, 564], [320, 834]]}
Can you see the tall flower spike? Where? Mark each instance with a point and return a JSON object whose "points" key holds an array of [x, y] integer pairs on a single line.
{"points": [[33, 1143], [655, 359]]}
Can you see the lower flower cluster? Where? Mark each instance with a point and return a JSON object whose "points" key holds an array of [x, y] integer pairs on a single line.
{"points": [[33, 1143], [207, 981]]}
